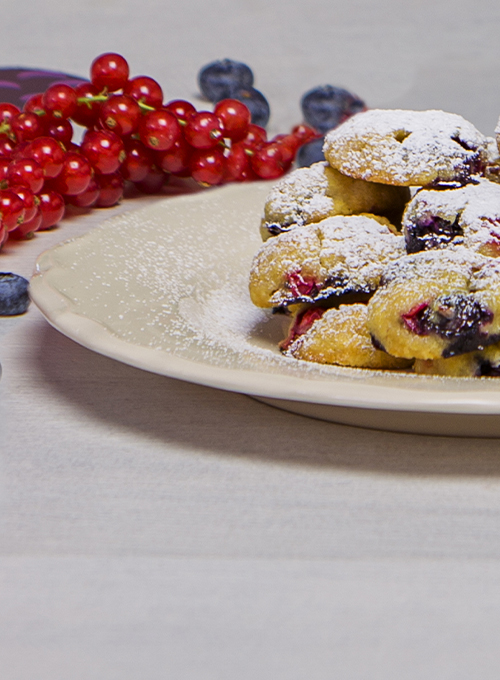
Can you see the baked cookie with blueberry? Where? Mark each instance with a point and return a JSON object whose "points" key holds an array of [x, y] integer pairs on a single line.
{"points": [[312, 194], [408, 148], [437, 304], [337, 336], [480, 364], [337, 256], [468, 215]]}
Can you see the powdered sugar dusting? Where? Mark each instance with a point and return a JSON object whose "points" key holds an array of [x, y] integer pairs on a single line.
{"points": [[475, 208], [344, 253], [431, 264], [405, 147], [300, 197]]}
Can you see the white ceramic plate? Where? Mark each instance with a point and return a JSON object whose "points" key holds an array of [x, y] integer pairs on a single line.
{"points": [[165, 289]]}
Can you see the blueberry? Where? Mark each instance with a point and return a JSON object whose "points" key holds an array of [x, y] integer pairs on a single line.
{"points": [[431, 232], [218, 78], [327, 106], [14, 297], [310, 153], [255, 102]]}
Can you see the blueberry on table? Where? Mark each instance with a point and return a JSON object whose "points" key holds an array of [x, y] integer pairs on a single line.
{"points": [[310, 153], [255, 102], [218, 78], [327, 106], [14, 297]]}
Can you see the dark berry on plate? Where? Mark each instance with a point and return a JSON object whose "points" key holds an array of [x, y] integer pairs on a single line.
{"points": [[255, 102], [14, 297], [327, 106], [311, 153], [217, 79]]}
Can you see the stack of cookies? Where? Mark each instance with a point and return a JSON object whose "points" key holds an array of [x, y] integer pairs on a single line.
{"points": [[387, 255]]}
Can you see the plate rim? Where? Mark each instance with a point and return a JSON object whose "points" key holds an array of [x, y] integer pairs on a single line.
{"points": [[93, 335]]}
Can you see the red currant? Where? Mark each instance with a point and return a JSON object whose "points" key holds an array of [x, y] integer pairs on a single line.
{"points": [[104, 150], [25, 173], [34, 104], [207, 166], [181, 109], [203, 130], [7, 147], [159, 130], [4, 169], [289, 145], [267, 162], [144, 90], [109, 71], [60, 100], [8, 112], [138, 160], [60, 129], [27, 229], [153, 181], [121, 114], [110, 190], [75, 175], [48, 153], [51, 209], [237, 165], [11, 209], [4, 235], [235, 118], [305, 133], [255, 137], [176, 159], [88, 109], [26, 126], [30, 203], [88, 197]]}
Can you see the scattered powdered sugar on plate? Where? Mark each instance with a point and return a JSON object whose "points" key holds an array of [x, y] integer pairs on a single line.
{"points": [[170, 282]]}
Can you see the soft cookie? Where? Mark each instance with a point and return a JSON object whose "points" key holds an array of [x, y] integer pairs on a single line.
{"points": [[409, 148], [437, 304], [337, 336], [340, 255], [479, 364], [468, 215], [314, 193]]}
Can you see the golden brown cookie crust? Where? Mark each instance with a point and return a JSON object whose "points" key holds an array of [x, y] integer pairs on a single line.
{"points": [[413, 314], [408, 148], [342, 254], [309, 195], [341, 337]]}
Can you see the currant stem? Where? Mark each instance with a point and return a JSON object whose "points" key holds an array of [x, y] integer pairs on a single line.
{"points": [[94, 98], [145, 107]]}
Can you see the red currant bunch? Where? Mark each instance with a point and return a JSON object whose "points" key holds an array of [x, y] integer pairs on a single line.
{"points": [[131, 139]]}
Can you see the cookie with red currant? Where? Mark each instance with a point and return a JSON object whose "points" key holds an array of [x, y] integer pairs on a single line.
{"points": [[338, 336], [437, 304], [337, 256]]}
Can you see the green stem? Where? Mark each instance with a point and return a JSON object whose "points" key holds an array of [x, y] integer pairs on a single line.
{"points": [[146, 107]]}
